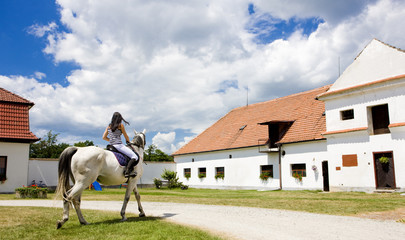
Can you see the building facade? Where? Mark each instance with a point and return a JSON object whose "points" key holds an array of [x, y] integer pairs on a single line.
{"points": [[15, 139], [348, 136]]}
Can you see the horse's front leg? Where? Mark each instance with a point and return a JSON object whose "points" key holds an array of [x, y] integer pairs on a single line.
{"points": [[126, 200], [138, 199]]}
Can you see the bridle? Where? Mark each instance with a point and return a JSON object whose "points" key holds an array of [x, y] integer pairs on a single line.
{"points": [[138, 143]]}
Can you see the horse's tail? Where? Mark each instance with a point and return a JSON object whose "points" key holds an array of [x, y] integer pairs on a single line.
{"points": [[65, 172]]}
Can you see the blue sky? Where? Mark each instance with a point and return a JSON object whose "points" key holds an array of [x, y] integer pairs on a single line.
{"points": [[21, 51], [174, 68]]}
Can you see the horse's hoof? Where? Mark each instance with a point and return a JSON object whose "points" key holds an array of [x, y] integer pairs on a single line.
{"points": [[84, 223], [142, 215], [58, 225], [124, 219]]}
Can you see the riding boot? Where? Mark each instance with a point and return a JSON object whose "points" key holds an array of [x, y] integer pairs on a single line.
{"points": [[129, 171]]}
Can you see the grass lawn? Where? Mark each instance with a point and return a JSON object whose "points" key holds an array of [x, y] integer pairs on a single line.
{"points": [[40, 223], [336, 203]]}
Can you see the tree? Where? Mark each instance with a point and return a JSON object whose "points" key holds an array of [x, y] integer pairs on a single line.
{"points": [[47, 147], [152, 153], [84, 144]]}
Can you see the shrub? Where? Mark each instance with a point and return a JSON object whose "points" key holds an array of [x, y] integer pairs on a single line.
{"points": [[157, 182]]}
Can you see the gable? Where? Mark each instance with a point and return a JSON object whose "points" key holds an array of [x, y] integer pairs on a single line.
{"points": [[376, 62], [14, 118], [242, 127]]}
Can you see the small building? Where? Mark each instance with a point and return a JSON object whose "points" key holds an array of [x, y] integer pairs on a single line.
{"points": [[348, 136], [15, 139]]}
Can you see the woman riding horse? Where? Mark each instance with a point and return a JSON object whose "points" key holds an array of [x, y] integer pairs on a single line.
{"points": [[115, 130]]}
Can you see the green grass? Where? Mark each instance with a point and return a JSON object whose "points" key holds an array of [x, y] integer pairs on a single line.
{"points": [[335, 203], [40, 223]]}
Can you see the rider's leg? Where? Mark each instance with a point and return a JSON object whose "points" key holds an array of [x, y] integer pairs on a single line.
{"points": [[129, 170]]}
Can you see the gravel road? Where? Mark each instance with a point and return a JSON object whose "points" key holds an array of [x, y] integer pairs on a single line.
{"points": [[248, 223]]}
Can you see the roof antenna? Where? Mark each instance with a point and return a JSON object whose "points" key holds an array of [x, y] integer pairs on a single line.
{"points": [[247, 95], [339, 66]]}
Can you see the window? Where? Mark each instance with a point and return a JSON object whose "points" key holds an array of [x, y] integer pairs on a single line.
{"points": [[347, 114], [380, 119], [202, 172], [187, 173], [266, 171], [3, 168], [220, 172], [299, 170]]}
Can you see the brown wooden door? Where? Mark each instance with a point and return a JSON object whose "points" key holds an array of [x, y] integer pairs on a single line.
{"points": [[384, 170]]}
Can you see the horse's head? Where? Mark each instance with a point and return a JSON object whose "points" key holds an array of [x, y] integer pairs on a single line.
{"points": [[139, 139]]}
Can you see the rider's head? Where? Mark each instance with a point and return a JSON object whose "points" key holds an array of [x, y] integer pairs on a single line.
{"points": [[116, 120]]}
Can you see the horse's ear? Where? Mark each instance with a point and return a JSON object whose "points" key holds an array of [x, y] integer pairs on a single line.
{"points": [[135, 132], [144, 131]]}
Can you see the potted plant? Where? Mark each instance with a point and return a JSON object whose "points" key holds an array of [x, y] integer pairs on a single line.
{"points": [[384, 160], [187, 175], [265, 176], [201, 175], [297, 176], [219, 176], [3, 179]]}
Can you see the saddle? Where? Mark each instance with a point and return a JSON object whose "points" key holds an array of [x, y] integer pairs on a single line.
{"points": [[121, 158]]}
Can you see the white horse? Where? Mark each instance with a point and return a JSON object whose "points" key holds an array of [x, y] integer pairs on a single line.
{"points": [[84, 165]]}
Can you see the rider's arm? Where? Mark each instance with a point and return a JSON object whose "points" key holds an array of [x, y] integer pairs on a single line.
{"points": [[124, 132], [105, 135]]}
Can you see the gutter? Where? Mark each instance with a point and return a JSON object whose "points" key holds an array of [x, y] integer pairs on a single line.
{"points": [[279, 164]]}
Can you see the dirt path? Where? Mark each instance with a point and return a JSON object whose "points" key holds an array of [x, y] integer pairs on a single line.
{"points": [[250, 223]]}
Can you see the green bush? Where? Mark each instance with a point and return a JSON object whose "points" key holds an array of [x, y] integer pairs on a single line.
{"points": [[157, 182]]}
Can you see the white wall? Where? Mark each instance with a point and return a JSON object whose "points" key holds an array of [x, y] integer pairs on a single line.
{"points": [[310, 153], [364, 143], [154, 170], [46, 170], [242, 171], [17, 165]]}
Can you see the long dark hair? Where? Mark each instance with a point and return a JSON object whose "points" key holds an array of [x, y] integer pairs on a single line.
{"points": [[116, 121]]}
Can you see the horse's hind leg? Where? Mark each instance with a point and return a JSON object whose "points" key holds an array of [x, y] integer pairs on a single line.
{"points": [[65, 214], [138, 199], [75, 196]]}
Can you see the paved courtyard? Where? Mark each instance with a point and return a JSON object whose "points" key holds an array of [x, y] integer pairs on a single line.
{"points": [[248, 223]]}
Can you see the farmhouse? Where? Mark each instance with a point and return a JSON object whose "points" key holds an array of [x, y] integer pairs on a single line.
{"points": [[341, 137], [15, 139]]}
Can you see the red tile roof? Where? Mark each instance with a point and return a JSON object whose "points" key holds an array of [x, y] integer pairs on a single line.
{"points": [[14, 118], [306, 113]]}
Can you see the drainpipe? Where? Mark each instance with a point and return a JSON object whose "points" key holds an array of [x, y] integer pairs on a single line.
{"points": [[279, 164]]}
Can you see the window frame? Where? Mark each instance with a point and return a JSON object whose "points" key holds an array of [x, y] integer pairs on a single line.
{"points": [[219, 174], [187, 171], [301, 170], [379, 125], [202, 174], [347, 114], [270, 170]]}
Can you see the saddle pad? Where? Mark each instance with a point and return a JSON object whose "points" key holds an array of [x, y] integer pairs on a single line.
{"points": [[120, 158]]}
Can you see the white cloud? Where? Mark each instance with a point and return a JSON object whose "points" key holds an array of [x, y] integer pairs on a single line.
{"points": [[165, 141], [163, 65], [41, 30]]}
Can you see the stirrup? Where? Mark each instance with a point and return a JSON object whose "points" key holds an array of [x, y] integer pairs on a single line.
{"points": [[131, 174]]}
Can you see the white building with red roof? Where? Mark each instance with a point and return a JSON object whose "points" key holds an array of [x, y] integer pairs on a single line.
{"points": [[15, 139], [340, 137]]}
